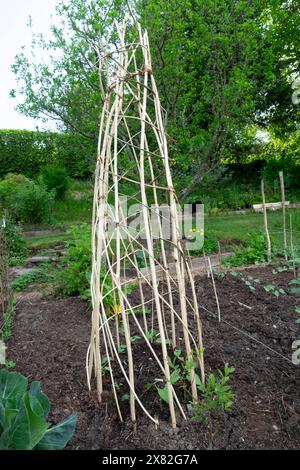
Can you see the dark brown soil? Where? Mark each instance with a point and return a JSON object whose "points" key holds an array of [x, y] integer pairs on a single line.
{"points": [[51, 338]]}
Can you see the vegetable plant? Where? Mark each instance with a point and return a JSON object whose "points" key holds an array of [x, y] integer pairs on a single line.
{"points": [[216, 400], [24, 411]]}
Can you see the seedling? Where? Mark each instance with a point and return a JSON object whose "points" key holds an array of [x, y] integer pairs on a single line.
{"points": [[216, 400], [249, 281], [181, 373], [270, 288], [295, 290]]}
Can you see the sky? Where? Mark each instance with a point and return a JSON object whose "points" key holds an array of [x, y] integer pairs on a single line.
{"points": [[14, 33]]}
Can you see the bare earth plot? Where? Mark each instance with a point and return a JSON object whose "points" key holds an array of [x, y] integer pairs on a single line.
{"points": [[51, 338]]}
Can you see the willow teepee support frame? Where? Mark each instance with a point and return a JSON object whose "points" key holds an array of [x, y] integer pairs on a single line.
{"points": [[132, 128]]}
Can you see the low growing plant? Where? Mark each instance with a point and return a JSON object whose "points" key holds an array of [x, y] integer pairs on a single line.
{"points": [[216, 399], [254, 253], [40, 275], [24, 411], [274, 290], [75, 278]]}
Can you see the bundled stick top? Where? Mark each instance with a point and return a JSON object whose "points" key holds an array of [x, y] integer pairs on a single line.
{"points": [[133, 238]]}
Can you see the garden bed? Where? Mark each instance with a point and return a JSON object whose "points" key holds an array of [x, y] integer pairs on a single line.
{"points": [[51, 338]]}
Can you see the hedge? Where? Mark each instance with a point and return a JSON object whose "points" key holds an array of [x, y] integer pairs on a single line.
{"points": [[26, 152]]}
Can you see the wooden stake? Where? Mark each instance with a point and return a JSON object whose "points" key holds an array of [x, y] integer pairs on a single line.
{"points": [[292, 245], [269, 248], [215, 289], [281, 177]]}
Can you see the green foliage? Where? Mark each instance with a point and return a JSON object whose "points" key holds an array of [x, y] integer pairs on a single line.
{"points": [[28, 152], [277, 292], [10, 364], [67, 89], [56, 178], [216, 396], [211, 65], [216, 399], [40, 275], [75, 278], [254, 253], [180, 368], [221, 73], [15, 243], [250, 282], [26, 201], [6, 329], [23, 417]]}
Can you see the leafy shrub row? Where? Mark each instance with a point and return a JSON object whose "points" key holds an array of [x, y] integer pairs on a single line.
{"points": [[27, 201], [27, 152]]}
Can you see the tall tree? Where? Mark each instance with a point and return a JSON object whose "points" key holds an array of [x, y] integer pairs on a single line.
{"points": [[209, 56], [58, 78]]}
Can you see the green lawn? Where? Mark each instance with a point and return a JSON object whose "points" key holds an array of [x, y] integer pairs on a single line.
{"points": [[76, 207], [229, 229], [235, 227]]}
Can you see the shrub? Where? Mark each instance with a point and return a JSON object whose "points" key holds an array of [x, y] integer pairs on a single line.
{"points": [[23, 417], [75, 278], [56, 178], [15, 243], [254, 253], [27, 201], [28, 152], [9, 186]]}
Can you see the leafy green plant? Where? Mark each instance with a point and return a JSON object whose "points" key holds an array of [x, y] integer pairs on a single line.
{"points": [[26, 200], [10, 364], [23, 417], [180, 368], [8, 320], [15, 243], [249, 281], [254, 253], [56, 178], [27, 152], [280, 269], [277, 292], [40, 275], [216, 399], [296, 289], [75, 278]]}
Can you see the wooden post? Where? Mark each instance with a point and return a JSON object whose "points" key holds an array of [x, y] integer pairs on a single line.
{"points": [[292, 245], [266, 221], [215, 289], [281, 177]]}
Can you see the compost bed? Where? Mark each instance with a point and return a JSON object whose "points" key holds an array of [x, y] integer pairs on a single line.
{"points": [[51, 338]]}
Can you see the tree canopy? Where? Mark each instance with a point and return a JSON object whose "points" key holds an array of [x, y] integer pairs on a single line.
{"points": [[224, 70]]}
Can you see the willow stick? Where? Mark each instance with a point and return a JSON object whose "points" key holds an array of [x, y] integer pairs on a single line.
{"points": [[285, 245], [266, 228], [215, 289], [292, 245]]}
